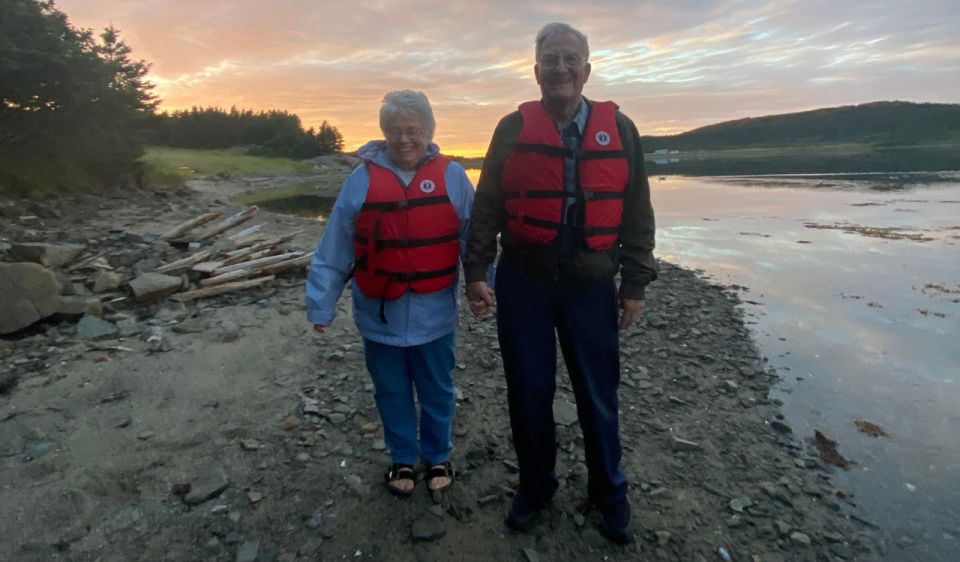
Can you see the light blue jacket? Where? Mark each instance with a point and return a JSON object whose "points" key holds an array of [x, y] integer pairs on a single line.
{"points": [[414, 318]]}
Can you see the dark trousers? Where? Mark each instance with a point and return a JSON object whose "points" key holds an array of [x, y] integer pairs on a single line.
{"points": [[532, 314]]}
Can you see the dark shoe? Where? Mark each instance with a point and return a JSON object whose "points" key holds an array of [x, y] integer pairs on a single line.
{"points": [[397, 473], [615, 523], [523, 515], [442, 470]]}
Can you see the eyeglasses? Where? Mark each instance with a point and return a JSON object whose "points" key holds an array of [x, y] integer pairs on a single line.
{"points": [[409, 132], [553, 60]]}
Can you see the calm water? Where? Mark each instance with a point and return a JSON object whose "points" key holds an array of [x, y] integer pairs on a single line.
{"points": [[854, 290]]}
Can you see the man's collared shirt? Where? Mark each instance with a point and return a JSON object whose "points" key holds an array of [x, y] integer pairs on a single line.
{"points": [[571, 137]]}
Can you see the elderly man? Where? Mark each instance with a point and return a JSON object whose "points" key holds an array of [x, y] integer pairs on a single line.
{"points": [[563, 183]]}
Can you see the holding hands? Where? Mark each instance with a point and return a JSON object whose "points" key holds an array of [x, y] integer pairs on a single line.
{"points": [[480, 297]]}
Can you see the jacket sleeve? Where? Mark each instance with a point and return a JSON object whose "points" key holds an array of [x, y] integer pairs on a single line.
{"points": [[637, 232], [461, 194], [334, 257], [489, 217]]}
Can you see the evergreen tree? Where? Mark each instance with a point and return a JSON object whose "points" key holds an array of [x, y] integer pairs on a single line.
{"points": [[70, 105]]}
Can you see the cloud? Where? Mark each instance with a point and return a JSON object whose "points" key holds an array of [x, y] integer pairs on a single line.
{"points": [[672, 67]]}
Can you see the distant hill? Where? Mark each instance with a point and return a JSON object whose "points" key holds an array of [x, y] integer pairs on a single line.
{"points": [[885, 123]]}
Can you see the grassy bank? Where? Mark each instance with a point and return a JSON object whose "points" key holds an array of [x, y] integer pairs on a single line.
{"points": [[167, 166]]}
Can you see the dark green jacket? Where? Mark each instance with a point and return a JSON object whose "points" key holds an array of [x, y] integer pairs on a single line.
{"points": [[632, 256]]}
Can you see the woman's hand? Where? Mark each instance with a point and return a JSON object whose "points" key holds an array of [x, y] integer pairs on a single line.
{"points": [[480, 297]]}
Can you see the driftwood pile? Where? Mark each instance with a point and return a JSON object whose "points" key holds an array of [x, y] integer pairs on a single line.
{"points": [[234, 262]]}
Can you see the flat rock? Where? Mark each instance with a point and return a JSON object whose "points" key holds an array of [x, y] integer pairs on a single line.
{"points": [[564, 413], [153, 286], [248, 551], [93, 328], [28, 293], [209, 485], [106, 281], [427, 528], [73, 307], [50, 255]]}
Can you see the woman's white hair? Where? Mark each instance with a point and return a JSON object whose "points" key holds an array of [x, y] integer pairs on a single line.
{"points": [[557, 27], [407, 103]]}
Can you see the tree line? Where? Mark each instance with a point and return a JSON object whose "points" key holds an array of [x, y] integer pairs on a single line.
{"points": [[881, 124], [77, 108], [270, 133]]}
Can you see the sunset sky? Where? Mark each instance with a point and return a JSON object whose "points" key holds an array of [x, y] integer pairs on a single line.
{"points": [[671, 66]]}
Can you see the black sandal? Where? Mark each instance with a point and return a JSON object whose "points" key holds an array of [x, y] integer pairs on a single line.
{"points": [[398, 472], [442, 470]]}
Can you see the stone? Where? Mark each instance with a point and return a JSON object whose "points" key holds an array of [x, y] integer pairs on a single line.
{"points": [[50, 255], [427, 528], [564, 413], [43, 211], [28, 293], [781, 426], [800, 539], [355, 483], [128, 327], [106, 281], [190, 326], [33, 450], [72, 308], [93, 328], [153, 286], [125, 518], [310, 547], [248, 551], [739, 504], [530, 555], [209, 485], [229, 331]]}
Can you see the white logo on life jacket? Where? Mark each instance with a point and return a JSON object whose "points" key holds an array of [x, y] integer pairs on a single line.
{"points": [[427, 186], [603, 138]]}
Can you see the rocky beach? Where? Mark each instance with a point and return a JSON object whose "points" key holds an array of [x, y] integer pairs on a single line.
{"points": [[224, 428]]}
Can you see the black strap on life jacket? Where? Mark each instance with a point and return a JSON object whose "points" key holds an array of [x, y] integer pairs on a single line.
{"points": [[401, 204]]}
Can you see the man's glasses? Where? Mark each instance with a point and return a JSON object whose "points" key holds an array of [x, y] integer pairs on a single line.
{"points": [[569, 60], [409, 132]]}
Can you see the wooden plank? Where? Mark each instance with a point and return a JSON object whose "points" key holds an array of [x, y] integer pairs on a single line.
{"points": [[231, 222], [220, 289], [250, 254], [257, 262], [246, 232], [299, 261], [184, 262], [207, 267], [288, 265], [189, 225]]}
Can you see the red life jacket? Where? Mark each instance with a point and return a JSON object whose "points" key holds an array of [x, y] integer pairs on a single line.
{"points": [[406, 238], [533, 178]]}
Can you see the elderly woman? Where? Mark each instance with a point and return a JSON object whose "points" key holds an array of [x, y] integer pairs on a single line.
{"points": [[396, 229]]}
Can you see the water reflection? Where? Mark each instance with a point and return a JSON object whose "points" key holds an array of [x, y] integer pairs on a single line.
{"points": [[312, 206], [849, 317]]}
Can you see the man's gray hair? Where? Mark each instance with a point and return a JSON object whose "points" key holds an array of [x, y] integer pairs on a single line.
{"points": [[557, 27], [407, 103]]}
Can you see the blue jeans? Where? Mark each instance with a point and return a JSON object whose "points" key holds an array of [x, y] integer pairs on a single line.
{"points": [[532, 314], [395, 372]]}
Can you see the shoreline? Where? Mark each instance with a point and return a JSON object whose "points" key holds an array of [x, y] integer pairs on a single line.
{"points": [[287, 416]]}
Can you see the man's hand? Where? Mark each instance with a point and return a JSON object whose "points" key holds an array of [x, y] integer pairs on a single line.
{"points": [[480, 298], [630, 311], [318, 328]]}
